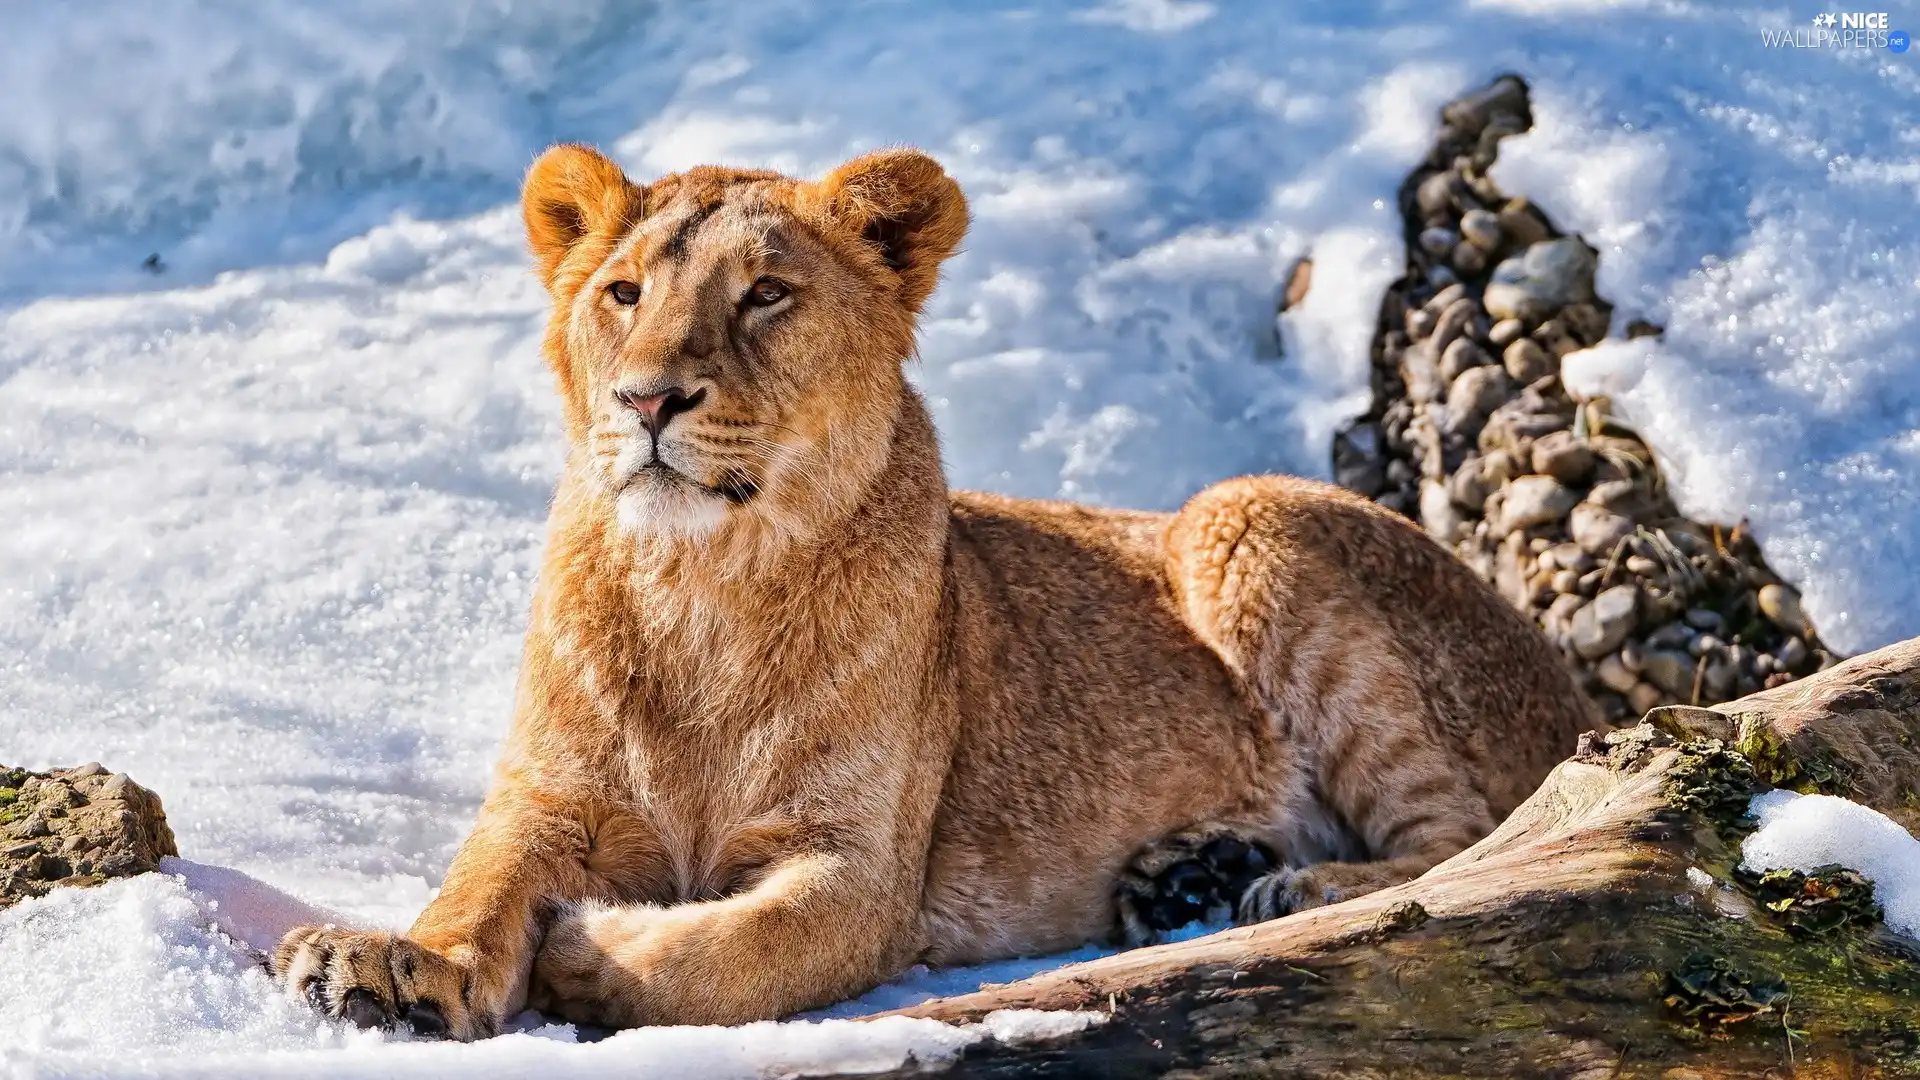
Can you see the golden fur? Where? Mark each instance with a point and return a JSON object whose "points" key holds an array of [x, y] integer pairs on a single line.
{"points": [[792, 716]]}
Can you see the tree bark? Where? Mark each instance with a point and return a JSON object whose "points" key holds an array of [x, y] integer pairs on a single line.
{"points": [[1600, 932]]}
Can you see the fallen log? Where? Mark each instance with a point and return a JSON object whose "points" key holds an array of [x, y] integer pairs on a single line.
{"points": [[1600, 932]]}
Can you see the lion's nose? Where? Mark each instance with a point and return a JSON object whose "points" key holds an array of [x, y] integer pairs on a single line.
{"points": [[658, 407]]}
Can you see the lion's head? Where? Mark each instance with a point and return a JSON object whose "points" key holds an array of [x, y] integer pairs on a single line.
{"points": [[730, 343]]}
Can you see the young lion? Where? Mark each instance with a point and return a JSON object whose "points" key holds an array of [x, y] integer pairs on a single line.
{"points": [[792, 716]]}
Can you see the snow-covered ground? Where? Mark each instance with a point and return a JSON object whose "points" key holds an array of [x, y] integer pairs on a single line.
{"points": [[268, 519]]}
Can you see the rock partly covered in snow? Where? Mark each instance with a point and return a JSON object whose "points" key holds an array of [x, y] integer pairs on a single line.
{"points": [[77, 826], [1544, 492]]}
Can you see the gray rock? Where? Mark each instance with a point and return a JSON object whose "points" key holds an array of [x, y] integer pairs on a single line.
{"points": [[1440, 276], [1563, 456], [1597, 529], [1438, 242], [1534, 500], [117, 824], [1523, 223], [1526, 360], [1620, 496], [1445, 298], [1671, 636], [1791, 653], [1614, 675], [1703, 619], [1470, 485], [1541, 280], [1420, 372], [1570, 557], [1481, 228], [1456, 320], [1781, 606], [1671, 671], [1438, 515], [1468, 259], [1436, 193], [1644, 698], [1602, 626], [1704, 644], [1473, 397], [1464, 353], [1471, 114]]}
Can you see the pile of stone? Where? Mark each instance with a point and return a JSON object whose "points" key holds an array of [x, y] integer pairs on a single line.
{"points": [[1542, 492], [75, 827]]}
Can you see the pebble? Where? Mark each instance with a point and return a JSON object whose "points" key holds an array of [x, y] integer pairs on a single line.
{"points": [[1438, 514], [1526, 360], [1506, 332], [1565, 581], [1553, 335], [1631, 654], [1438, 242], [1597, 529], [1420, 373], [1615, 676], [1781, 606], [1456, 320], [1540, 280], [1464, 353], [1703, 619], [1480, 228], [1534, 500], [1704, 644], [1644, 698], [1440, 275], [1563, 456], [1586, 322], [1446, 298], [1571, 557], [1473, 396], [1641, 566], [1468, 259], [1671, 671], [1470, 485], [1619, 496], [1472, 113], [1522, 223], [1420, 322], [1435, 195], [1791, 653], [1670, 636], [1602, 626]]}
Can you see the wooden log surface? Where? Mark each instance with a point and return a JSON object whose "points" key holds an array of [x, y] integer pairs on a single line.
{"points": [[1600, 932]]}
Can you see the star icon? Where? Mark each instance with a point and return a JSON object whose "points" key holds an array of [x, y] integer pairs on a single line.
{"points": [[1819, 20], [1830, 21]]}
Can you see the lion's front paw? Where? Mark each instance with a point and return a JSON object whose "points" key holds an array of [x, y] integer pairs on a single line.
{"points": [[378, 980]]}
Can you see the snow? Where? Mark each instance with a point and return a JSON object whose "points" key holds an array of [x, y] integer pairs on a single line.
{"points": [[1802, 832], [268, 519]]}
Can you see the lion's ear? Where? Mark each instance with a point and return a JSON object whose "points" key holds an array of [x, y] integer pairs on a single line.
{"points": [[906, 206], [573, 192]]}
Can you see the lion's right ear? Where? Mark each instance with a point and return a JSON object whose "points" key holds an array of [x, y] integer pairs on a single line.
{"points": [[573, 192]]}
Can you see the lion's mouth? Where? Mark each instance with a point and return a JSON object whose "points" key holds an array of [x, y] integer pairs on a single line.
{"points": [[735, 487]]}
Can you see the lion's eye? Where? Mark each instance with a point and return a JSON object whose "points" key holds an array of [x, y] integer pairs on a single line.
{"points": [[766, 292], [624, 292]]}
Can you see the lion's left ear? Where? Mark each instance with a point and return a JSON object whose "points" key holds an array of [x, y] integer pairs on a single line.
{"points": [[906, 207]]}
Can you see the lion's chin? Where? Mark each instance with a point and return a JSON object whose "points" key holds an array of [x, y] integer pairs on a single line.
{"points": [[668, 506]]}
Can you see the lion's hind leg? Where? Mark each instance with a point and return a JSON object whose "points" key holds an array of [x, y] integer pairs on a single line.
{"points": [[1197, 875]]}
